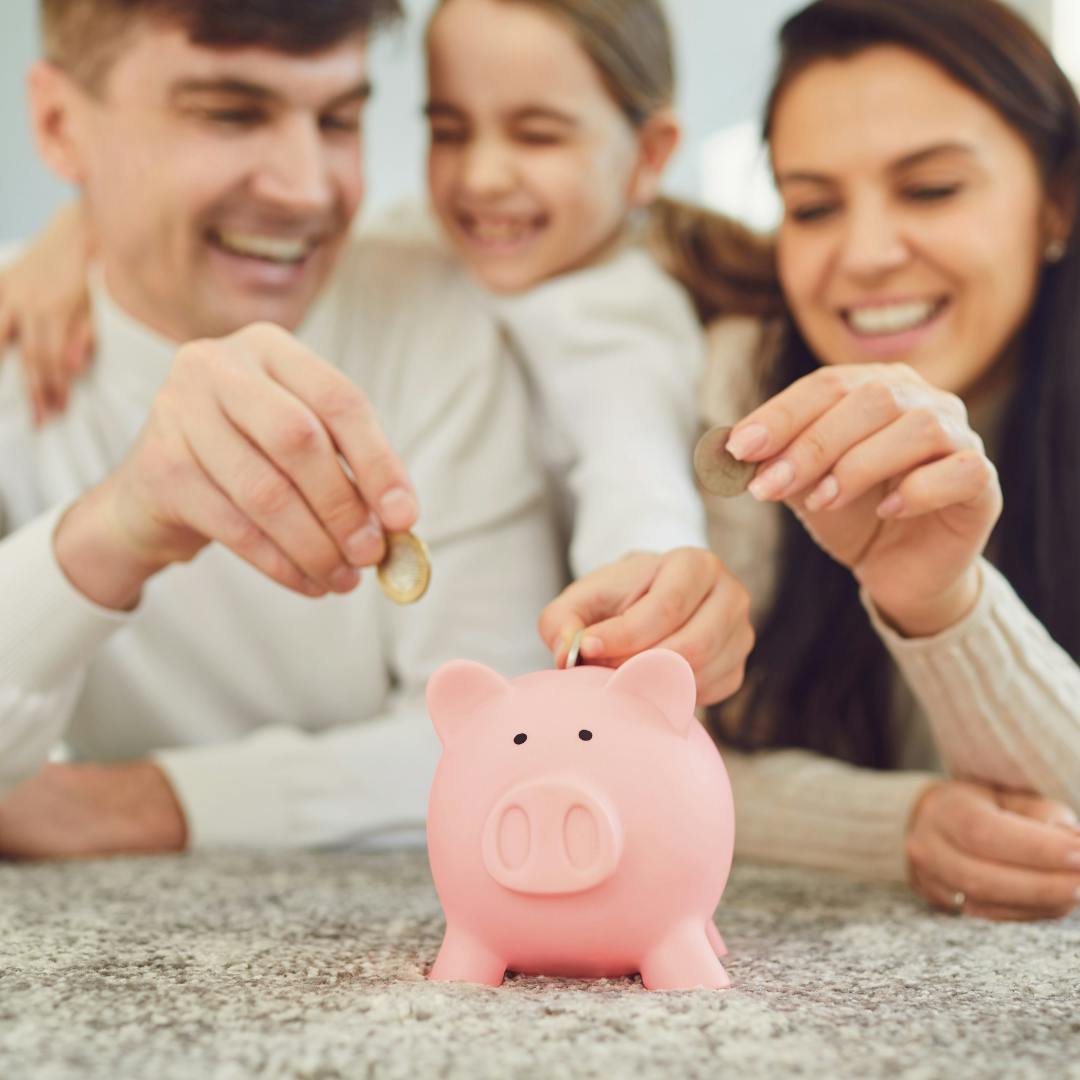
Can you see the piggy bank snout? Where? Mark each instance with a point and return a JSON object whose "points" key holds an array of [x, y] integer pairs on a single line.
{"points": [[551, 837]]}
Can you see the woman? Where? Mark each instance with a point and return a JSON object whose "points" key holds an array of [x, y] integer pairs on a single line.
{"points": [[928, 155]]}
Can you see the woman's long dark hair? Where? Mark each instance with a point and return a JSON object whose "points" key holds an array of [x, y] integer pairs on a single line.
{"points": [[819, 677]]}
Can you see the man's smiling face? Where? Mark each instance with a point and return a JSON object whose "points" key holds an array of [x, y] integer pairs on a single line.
{"points": [[221, 183]]}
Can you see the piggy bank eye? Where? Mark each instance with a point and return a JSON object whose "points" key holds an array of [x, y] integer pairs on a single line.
{"points": [[584, 735], [519, 739]]}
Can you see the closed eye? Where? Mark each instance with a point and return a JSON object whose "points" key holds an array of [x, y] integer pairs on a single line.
{"points": [[933, 193]]}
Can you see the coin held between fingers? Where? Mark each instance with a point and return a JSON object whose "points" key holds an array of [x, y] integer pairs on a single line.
{"points": [[717, 470], [405, 572], [575, 650]]}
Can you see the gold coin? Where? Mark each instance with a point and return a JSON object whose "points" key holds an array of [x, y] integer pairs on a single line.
{"points": [[405, 572], [718, 472], [575, 650]]}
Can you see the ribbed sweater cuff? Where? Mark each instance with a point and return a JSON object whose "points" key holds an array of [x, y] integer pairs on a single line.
{"points": [[798, 808], [1002, 698], [48, 626]]}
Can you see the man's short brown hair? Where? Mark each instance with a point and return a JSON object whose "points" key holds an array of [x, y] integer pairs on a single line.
{"points": [[84, 37]]}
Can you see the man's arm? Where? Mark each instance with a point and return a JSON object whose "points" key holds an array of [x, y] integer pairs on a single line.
{"points": [[496, 563], [284, 787], [48, 633], [245, 446]]}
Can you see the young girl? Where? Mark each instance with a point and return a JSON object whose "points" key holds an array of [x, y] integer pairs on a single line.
{"points": [[551, 125]]}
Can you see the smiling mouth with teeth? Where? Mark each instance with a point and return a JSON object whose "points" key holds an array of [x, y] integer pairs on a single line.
{"points": [[889, 319], [499, 231], [273, 249]]}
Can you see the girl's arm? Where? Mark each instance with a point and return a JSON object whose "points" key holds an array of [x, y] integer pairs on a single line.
{"points": [[45, 310], [614, 355]]}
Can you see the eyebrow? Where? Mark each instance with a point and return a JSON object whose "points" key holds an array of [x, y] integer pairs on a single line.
{"points": [[916, 157], [436, 109], [257, 91], [545, 112]]}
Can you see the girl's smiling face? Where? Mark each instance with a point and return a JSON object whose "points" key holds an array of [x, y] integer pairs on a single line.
{"points": [[533, 168], [916, 219]]}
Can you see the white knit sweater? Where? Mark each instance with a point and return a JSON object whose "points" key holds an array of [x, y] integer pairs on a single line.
{"points": [[281, 720], [993, 698]]}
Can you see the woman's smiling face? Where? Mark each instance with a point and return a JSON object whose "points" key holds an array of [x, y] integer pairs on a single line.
{"points": [[916, 219]]}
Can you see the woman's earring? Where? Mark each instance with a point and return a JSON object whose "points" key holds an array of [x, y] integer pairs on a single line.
{"points": [[1055, 250]]}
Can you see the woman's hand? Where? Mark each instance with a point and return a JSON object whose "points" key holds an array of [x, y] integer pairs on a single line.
{"points": [[979, 851], [888, 477], [684, 600], [45, 311]]}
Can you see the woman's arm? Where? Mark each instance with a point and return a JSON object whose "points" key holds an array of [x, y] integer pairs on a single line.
{"points": [[967, 848], [801, 808], [1002, 697]]}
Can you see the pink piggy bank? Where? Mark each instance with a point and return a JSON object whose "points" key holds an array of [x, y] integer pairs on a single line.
{"points": [[580, 824]]}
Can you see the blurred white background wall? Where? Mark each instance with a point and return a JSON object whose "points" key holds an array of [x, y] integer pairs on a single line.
{"points": [[726, 58]]}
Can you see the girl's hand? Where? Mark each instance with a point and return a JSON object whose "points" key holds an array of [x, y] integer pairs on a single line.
{"points": [[888, 477], [45, 311], [975, 850], [685, 600]]}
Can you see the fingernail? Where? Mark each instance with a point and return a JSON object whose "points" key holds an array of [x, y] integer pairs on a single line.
{"points": [[1072, 860], [891, 506], [775, 479], [398, 503], [344, 579], [1076, 895], [747, 440], [1069, 819], [823, 494], [363, 546], [591, 646]]}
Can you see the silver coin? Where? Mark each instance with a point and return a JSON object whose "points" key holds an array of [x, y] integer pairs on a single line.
{"points": [[717, 471], [575, 650]]}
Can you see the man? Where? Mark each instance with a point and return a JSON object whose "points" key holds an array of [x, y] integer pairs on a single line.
{"points": [[180, 574]]}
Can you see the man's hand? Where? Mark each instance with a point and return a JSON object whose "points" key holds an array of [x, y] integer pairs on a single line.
{"points": [[67, 811], [257, 443], [1003, 855], [685, 600]]}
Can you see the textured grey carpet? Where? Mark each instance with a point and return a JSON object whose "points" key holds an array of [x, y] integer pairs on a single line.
{"points": [[312, 966]]}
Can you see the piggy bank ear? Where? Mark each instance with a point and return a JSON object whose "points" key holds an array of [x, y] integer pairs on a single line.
{"points": [[454, 692], [663, 679]]}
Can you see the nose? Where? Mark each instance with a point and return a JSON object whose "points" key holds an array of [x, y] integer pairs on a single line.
{"points": [[295, 173], [552, 837], [489, 169], [873, 243]]}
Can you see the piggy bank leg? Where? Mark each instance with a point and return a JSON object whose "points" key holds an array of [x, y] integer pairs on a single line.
{"points": [[684, 959], [715, 940], [463, 959]]}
